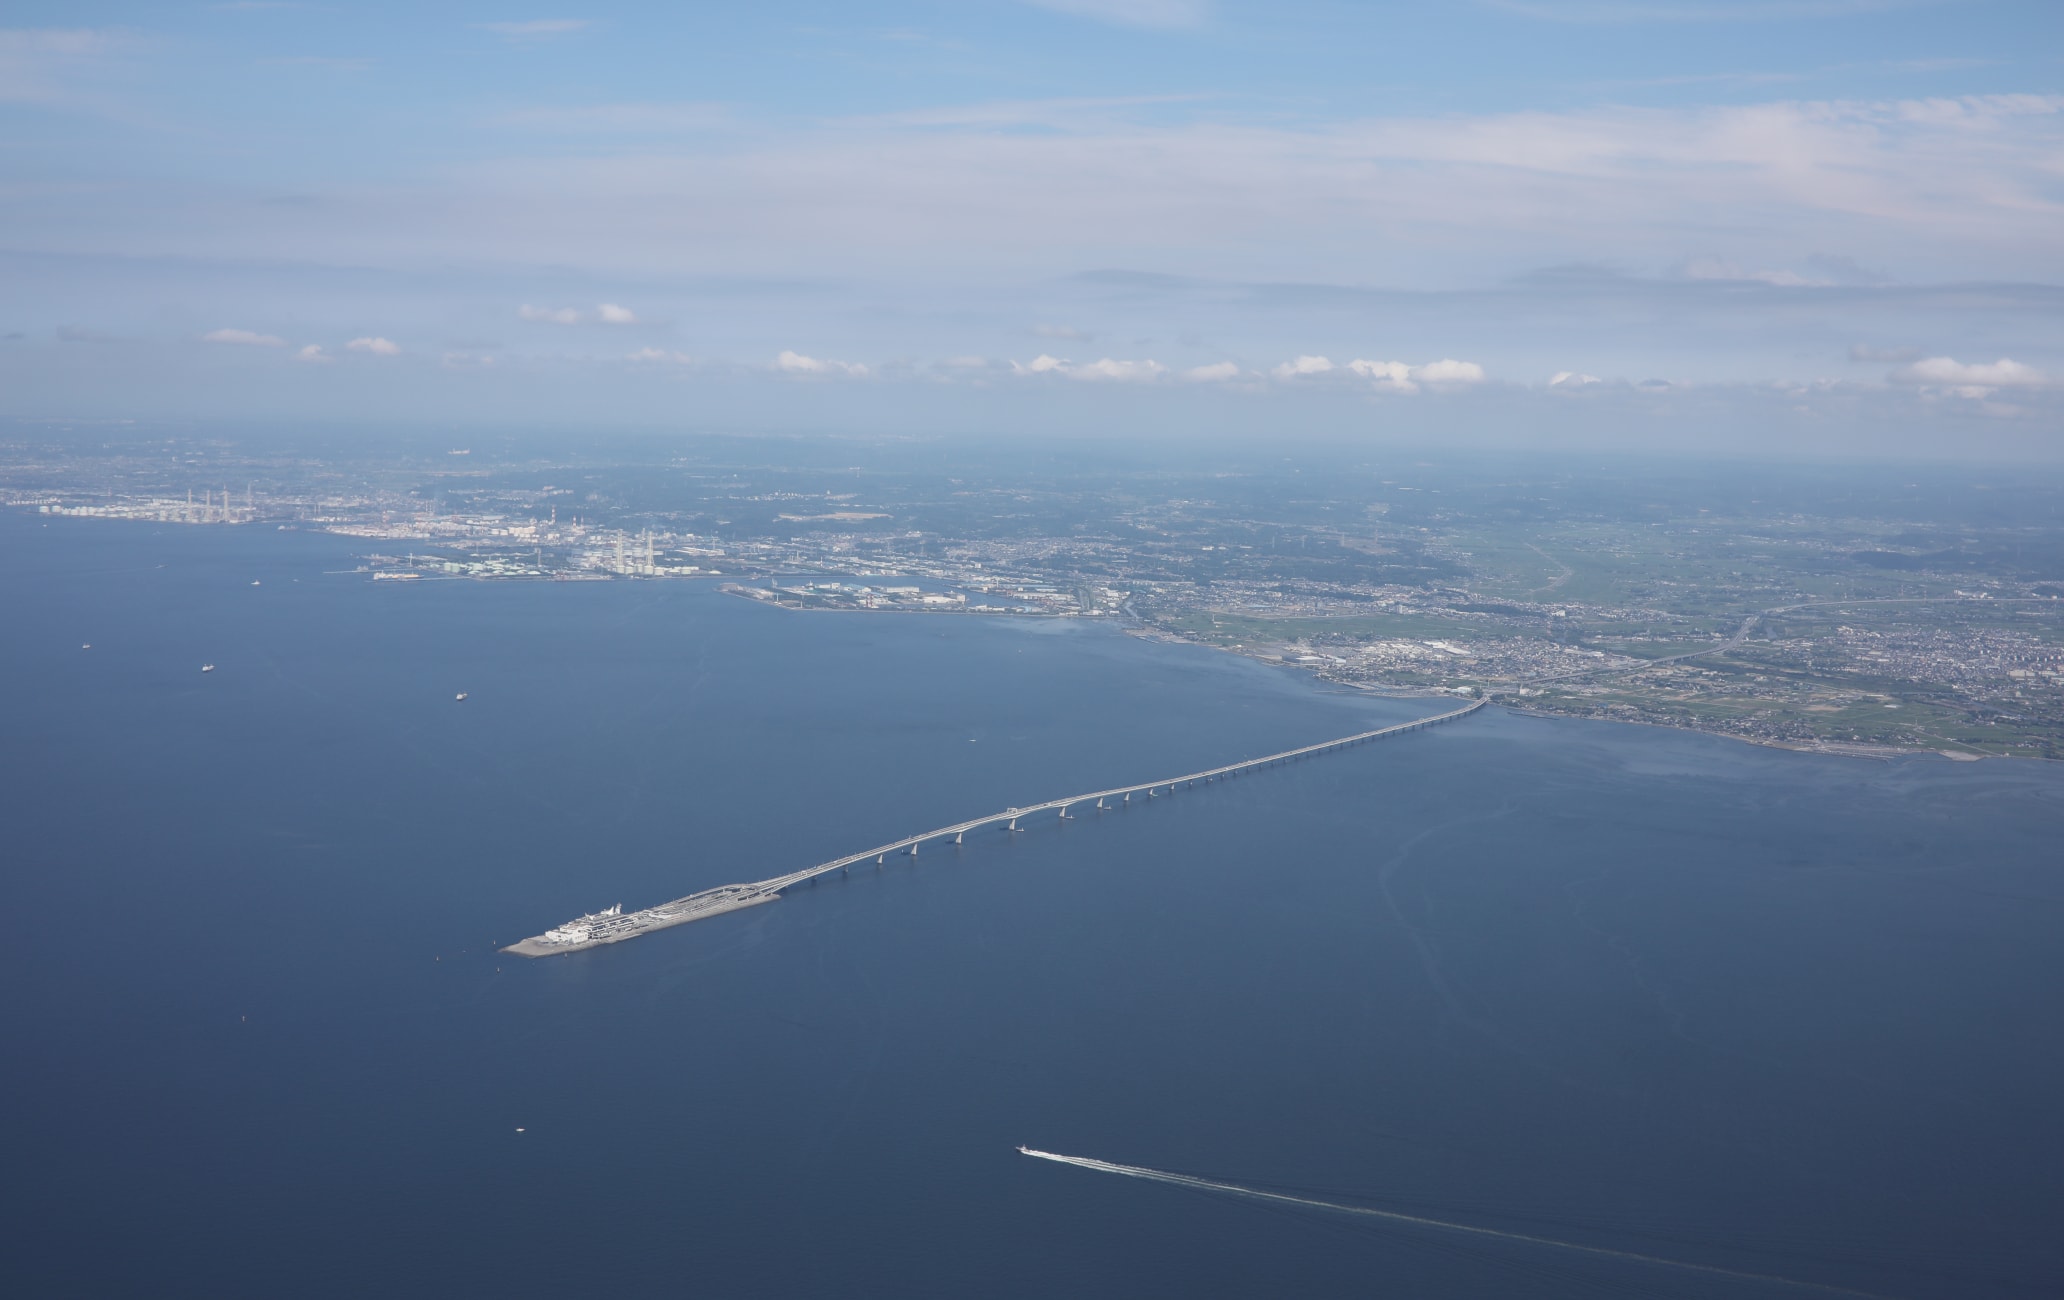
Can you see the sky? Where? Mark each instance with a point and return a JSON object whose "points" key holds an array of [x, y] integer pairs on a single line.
{"points": [[1811, 226]]}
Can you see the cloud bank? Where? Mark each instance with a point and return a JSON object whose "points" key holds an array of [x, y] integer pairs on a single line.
{"points": [[245, 338], [1962, 187], [1979, 380], [607, 313], [795, 363]]}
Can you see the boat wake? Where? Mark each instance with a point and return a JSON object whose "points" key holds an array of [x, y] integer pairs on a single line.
{"points": [[1444, 1225]]}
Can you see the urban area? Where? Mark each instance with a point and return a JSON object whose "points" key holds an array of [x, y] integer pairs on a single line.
{"points": [[1869, 611]]}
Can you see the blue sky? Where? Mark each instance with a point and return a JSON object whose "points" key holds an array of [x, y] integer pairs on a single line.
{"points": [[1758, 224]]}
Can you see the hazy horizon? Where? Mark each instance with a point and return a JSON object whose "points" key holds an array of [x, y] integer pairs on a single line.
{"points": [[1831, 227]]}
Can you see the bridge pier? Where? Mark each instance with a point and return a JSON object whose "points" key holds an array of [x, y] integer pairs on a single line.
{"points": [[878, 858], [957, 835], [1013, 824]]}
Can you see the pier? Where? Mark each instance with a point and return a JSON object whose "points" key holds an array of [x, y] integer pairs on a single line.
{"points": [[616, 925]]}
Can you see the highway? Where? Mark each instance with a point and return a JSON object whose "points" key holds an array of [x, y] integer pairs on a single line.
{"points": [[614, 927]]}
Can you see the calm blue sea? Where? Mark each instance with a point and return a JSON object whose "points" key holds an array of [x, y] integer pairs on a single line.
{"points": [[1644, 990]]}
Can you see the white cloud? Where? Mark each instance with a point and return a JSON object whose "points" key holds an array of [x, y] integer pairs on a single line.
{"points": [[607, 313], [1302, 366], [1870, 178], [1397, 376], [2003, 373], [1107, 368], [1401, 378], [379, 347], [1977, 381], [1215, 372], [795, 363], [1132, 13], [249, 338], [661, 354], [1961, 189], [1572, 379], [535, 28], [1449, 371], [313, 352], [1391, 374]]}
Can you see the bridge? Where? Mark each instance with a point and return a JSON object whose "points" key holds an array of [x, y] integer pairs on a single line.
{"points": [[616, 925]]}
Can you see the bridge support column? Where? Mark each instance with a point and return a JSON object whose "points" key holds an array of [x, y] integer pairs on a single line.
{"points": [[957, 835], [878, 858], [1013, 824]]}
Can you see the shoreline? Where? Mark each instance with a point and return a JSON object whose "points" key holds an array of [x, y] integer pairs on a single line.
{"points": [[1839, 749], [1132, 625]]}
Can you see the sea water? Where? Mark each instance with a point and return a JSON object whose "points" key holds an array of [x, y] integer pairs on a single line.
{"points": [[1626, 987]]}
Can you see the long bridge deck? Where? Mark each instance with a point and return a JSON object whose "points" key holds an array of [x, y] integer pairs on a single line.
{"points": [[614, 926]]}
